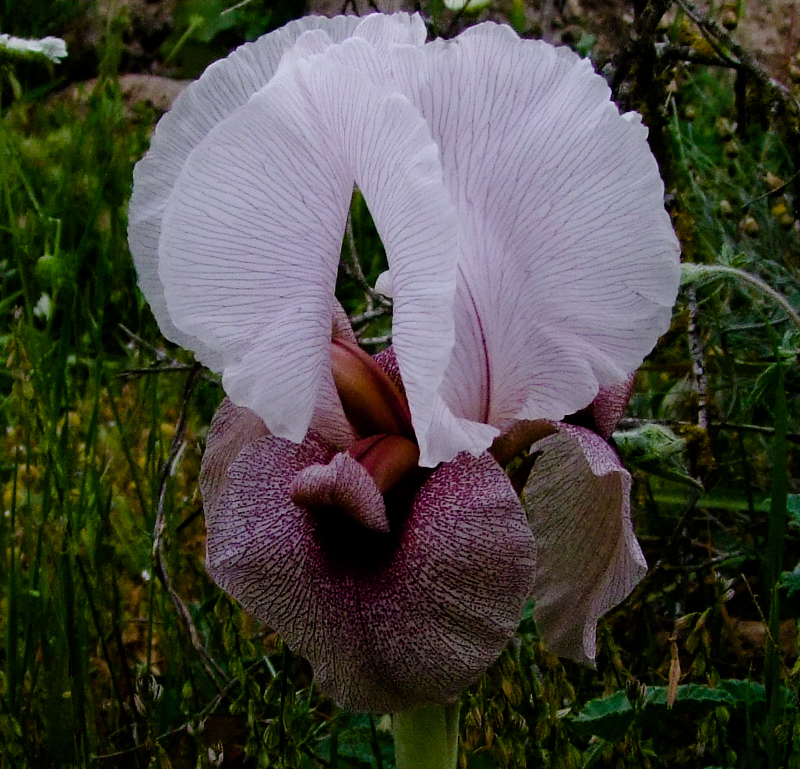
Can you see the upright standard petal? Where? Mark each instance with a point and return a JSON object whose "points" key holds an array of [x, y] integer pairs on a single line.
{"points": [[569, 265], [587, 557], [387, 621], [224, 87], [251, 237]]}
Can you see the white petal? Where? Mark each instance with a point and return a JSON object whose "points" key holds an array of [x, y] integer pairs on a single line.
{"points": [[252, 234], [224, 87], [383, 284], [587, 557], [569, 265], [392, 29]]}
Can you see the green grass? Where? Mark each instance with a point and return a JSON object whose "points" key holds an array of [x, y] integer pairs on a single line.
{"points": [[98, 665]]}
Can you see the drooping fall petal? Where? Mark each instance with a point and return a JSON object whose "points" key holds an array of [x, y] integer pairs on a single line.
{"points": [[587, 556], [233, 428], [609, 406], [388, 621], [569, 265], [344, 484]]}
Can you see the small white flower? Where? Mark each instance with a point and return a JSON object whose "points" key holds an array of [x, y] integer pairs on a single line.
{"points": [[52, 48], [44, 307]]}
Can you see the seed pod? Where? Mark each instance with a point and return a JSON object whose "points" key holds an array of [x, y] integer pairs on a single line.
{"points": [[749, 226], [732, 148], [730, 20], [773, 181]]}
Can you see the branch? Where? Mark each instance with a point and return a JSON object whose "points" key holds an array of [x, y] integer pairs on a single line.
{"points": [[177, 446]]}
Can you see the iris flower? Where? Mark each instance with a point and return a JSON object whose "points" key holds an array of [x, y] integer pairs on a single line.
{"points": [[358, 505]]}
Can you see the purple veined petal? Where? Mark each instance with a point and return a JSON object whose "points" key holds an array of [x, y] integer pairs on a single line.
{"points": [[388, 622], [383, 30], [235, 427], [569, 266], [365, 50], [587, 556], [224, 87], [251, 238]]}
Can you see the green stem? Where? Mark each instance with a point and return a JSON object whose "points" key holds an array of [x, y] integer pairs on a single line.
{"points": [[690, 273], [427, 738], [775, 547]]}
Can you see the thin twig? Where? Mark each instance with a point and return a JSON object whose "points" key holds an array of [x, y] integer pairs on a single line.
{"points": [[707, 564], [698, 361], [164, 364], [376, 340], [678, 531], [366, 317], [767, 632], [771, 193], [352, 267], [631, 423], [177, 446], [718, 37], [134, 337], [174, 368]]}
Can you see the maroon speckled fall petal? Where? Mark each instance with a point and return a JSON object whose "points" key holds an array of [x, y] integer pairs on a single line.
{"points": [[232, 428], [387, 360], [587, 556], [609, 406], [388, 622], [345, 484]]}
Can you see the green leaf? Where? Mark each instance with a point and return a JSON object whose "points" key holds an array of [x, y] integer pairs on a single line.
{"points": [[790, 581], [689, 698], [656, 449], [516, 16], [608, 718]]}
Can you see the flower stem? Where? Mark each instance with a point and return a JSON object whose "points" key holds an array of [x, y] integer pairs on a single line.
{"points": [[427, 738], [691, 273]]}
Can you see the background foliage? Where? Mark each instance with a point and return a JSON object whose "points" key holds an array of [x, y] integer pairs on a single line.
{"points": [[117, 650]]}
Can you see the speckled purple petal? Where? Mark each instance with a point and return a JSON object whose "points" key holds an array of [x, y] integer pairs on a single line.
{"points": [[345, 484], [587, 556], [388, 622], [232, 428], [609, 406]]}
